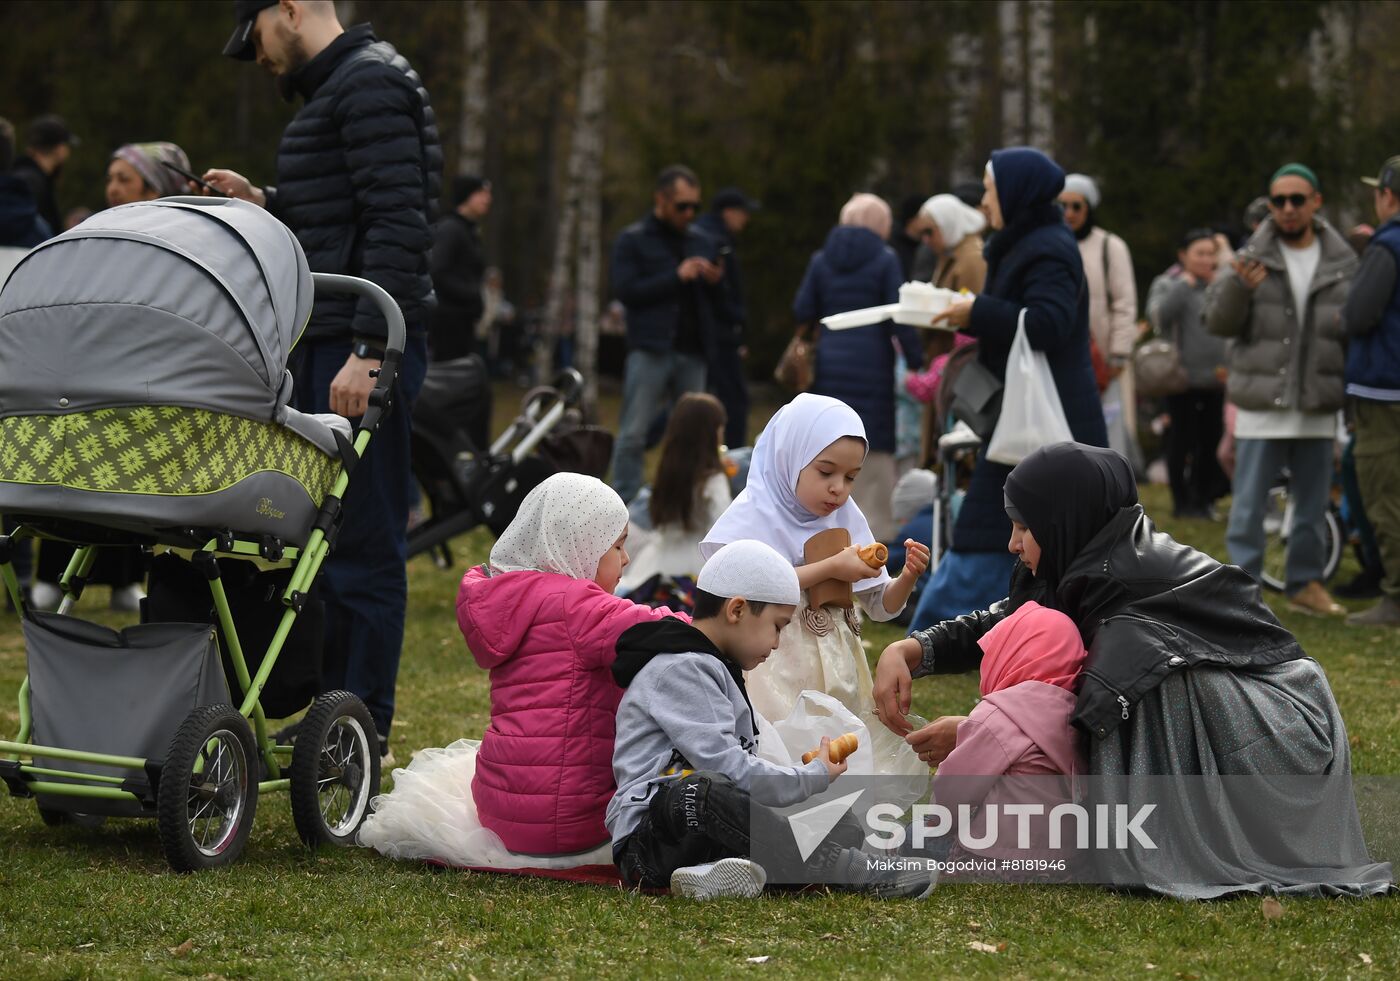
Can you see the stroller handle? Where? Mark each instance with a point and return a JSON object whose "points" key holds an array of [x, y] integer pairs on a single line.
{"points": [[393, 316]]}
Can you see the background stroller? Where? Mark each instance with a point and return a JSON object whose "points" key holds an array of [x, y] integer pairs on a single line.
{"points": [[466, 485], [144, 400]]}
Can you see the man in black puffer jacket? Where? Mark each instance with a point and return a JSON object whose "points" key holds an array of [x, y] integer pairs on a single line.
{"points": [[359, 170]]}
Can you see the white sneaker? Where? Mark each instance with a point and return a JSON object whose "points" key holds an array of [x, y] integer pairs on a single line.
{"points": [[727, 877]]}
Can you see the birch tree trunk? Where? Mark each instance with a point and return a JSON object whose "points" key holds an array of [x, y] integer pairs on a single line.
{"points": [[1040, 72], [1013, 74], [588, 147], [964, 56], [471, 131]]}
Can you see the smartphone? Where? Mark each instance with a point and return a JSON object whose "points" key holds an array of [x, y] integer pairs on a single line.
{"points": [[191, 177]]}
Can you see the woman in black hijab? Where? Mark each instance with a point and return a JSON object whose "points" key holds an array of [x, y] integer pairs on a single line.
{"points": [[1189, 673]]}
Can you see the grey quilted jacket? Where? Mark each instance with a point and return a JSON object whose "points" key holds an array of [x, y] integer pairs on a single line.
{"points": [[1273, 363]]}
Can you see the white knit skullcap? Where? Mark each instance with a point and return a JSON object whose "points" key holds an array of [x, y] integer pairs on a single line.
{"points": [[750, 570], [912, 493], [1085, 186]]}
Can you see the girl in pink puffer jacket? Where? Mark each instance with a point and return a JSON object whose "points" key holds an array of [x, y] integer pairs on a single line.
{"points": [[541, 617]]}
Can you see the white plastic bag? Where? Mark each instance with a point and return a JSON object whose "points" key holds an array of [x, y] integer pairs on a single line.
{"points": [[815, 715], [818, 714], [1031, 413]]}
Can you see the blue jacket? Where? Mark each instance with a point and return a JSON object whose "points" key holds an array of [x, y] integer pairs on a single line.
{"points": [[856, 269], [1033, 262], [1373, 355], [644, 261], [20, 224]]}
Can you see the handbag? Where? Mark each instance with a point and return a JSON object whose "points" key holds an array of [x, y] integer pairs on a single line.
{"points": [[977, 394], [798, 362], [1031, 413], [1158, 370]]}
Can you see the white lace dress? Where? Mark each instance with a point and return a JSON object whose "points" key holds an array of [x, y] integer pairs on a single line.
{"points": [[430, 815]]}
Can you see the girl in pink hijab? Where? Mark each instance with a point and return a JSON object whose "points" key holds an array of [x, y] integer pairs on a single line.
{"points": [[1031, 663]]}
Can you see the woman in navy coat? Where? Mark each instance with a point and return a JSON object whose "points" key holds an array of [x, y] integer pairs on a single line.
{"points": [[854, 270], [1032, 263]]}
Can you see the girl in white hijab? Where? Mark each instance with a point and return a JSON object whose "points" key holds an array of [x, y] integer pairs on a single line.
{"points": [[799, 485]]}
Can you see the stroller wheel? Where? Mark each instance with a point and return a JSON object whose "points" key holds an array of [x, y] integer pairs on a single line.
{"points": [[208, 791], [335, 770], [55, 819]]}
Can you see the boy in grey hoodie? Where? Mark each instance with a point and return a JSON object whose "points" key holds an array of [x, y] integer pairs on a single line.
{"points": [[690, 786]]}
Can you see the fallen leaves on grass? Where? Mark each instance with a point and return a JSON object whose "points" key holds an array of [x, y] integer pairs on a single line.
{"points": [[762, 959], [1365, 958], [1271, 908], [183, 949], [986, 948]]}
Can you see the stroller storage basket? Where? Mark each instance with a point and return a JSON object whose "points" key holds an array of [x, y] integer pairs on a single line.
{"points": [[122, 693]]}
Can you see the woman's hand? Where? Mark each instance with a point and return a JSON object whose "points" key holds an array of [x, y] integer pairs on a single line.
{"points": [[958, 314], [936, 740], [894, 682]]}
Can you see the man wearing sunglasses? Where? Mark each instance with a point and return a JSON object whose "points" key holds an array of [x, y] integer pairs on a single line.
{"points": [[664, 271], [1372, 319], [1280, 305]]}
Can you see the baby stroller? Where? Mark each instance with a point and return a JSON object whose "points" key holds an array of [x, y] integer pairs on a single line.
{"points": [[466, 487], [144, 400]]}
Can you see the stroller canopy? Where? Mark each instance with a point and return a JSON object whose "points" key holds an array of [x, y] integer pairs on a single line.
{"points": [[184, 301]]}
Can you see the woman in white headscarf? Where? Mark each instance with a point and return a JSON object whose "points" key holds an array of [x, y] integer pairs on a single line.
{"points": [[956, 238], [800, 485], [542, 618]]}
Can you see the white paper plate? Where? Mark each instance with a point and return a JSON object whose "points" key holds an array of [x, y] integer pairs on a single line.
{"points": [[909, 316]]}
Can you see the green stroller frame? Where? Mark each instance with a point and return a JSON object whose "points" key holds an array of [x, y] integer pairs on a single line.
{"points": [[204, 792]]}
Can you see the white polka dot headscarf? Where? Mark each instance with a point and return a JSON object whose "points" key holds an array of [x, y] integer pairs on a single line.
{"points": [[565, 525]]}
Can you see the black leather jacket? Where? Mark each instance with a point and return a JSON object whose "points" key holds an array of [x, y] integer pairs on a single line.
{"points": [[1146, 606]]}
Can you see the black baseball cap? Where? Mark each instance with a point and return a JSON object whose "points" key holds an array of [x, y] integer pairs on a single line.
{"points": [[732, 197], [240, 45], [1388, 177]]}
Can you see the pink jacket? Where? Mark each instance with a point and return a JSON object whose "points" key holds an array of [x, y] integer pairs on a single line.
{"points": [[544, 772], [1025, 731]]}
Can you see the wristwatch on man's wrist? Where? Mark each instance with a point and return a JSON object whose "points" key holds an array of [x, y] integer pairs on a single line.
{"points": [[365, 350]]}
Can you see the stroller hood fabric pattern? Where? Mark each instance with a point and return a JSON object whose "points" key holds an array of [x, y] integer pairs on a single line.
{"points": [[145, 383]]}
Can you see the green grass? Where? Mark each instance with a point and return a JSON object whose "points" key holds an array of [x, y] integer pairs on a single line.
{"points": [[100, 903]]}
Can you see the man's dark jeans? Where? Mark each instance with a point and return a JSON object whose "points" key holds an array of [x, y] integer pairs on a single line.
{"points": [[364, 583]]}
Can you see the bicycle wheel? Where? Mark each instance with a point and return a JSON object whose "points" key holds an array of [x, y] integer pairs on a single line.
{"points": [[1278, 525]]}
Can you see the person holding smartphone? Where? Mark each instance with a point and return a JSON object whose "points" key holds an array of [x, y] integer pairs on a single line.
{"points": [[1279, 304], [359, 171], [726, 220]]}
